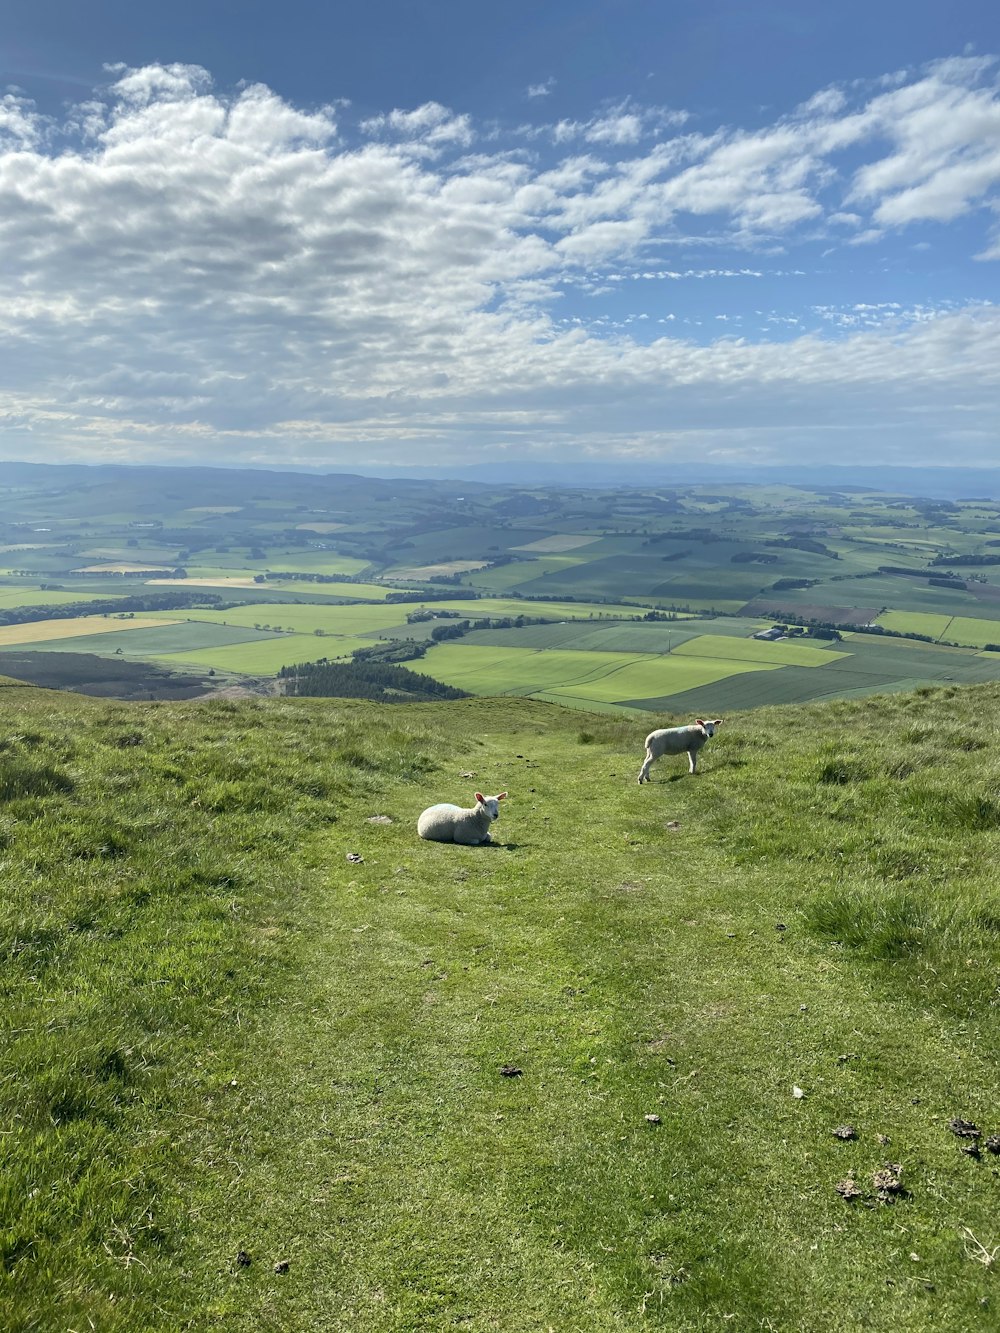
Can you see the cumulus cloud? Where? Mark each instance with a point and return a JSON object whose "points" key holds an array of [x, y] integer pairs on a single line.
{"points": [[184, 268]]}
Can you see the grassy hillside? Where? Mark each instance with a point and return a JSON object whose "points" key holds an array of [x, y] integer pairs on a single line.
{"points": [[251, 1082]]}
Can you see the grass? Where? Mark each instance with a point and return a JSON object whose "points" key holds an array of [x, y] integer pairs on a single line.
{"points": [[223, 1036]]}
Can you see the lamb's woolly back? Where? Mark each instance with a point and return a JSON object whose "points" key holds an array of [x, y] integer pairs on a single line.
{"points": [[452, 823], [678, 740]]}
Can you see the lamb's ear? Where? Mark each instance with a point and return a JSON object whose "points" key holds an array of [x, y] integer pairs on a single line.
{"points": [[699, 721], [480, 797], [718, 722], [502, 796]]}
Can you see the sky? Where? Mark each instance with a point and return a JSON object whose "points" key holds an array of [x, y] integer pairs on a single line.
{"points": [[616, 231]]}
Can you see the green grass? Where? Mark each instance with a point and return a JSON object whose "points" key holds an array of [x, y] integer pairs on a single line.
{"points": [[223, 1036]]}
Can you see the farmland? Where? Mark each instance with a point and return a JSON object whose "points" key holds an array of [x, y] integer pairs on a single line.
{"points": [[272, 569]]}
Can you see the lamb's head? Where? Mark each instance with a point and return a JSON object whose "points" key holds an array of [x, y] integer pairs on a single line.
{"points": [[491, 804], [709, 726]]}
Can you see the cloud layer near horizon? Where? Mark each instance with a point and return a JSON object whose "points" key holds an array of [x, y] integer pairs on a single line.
{"points": [[188, 274]]}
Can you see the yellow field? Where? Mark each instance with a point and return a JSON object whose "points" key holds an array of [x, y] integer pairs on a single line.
{"points": [[223, 581], [560, 541], [421, 573], [120, 569], [40, 630]]}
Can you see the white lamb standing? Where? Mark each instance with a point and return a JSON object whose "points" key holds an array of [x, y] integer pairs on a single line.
{"points": [[451, 823], [677, 740]]}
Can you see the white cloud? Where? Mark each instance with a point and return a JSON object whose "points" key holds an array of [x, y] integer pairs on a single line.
{"points": [[540, 89], [431, 124], [182, 269]]}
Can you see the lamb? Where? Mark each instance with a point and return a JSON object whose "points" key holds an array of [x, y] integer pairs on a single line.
{"points": [[451, 823], [677, 740]]}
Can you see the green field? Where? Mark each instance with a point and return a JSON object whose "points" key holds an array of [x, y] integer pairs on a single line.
{"points": [[305, 618], [604, 677], [783, 652], [958, 629], [916, 622], [862, 665], [11, 597], [267, 656]]}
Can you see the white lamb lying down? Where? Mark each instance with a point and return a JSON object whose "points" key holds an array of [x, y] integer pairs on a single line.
{"points": [[677, 740], [450, 823]]}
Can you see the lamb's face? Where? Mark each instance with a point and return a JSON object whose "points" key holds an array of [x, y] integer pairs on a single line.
{"points": [[710, 726], [491, 804]]}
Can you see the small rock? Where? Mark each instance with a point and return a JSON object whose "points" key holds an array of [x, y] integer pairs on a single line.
{"points": [[993, 1143], [469, 774], [971, 1150], [355, 858], [653, 1119], [797, 1092], [511, 1071], [282, 1266], [883, 1139], [964, 1129], [672, 823], [378, 819], [847, 1189], [243, 1259], [845, 1132], [781, 926], [803, 1008], [730, 935], [843, 1059]]}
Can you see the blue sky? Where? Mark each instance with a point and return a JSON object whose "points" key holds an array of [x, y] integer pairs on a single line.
{"points": [[325, 234]]}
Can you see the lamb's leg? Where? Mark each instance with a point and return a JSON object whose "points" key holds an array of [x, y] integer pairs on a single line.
{"points": [[644, 771], [693, 759]]}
